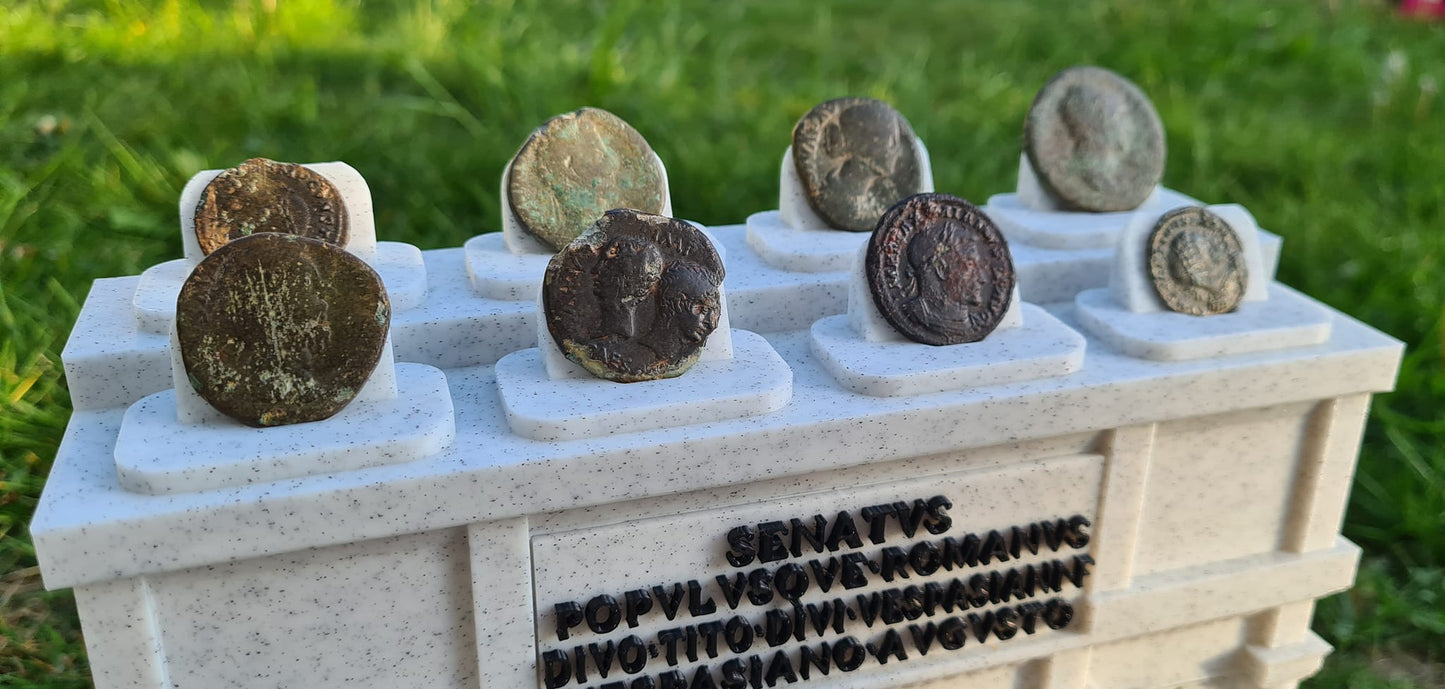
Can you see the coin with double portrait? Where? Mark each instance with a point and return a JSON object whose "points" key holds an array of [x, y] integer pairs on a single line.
{"points": [[635, 297]]}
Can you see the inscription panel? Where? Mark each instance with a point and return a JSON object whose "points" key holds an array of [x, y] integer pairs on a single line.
{"points": [[825, 588]]}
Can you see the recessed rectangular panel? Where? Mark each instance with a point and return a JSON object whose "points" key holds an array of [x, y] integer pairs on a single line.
{"points": [[381, 614], [830, 587]]}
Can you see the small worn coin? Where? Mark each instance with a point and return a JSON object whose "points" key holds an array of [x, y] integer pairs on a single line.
{"points": [[1094, 140], [263, 195], [939, 270], [855, 157], [1196, 262], [635, 297], [277, 329], [577, 166]]}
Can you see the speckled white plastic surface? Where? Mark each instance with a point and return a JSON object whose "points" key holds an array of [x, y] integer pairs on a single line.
{"points": [[1286, 319], [156, 454], [1130, 317], [865, 354], [1030, 215], [795, 239]]}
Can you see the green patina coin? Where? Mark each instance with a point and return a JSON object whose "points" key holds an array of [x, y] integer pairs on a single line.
{"points": [[263, 195], [577, 166], [855, 158], [1094, 141], [1197, 263], [635, 297], [278, 329]]}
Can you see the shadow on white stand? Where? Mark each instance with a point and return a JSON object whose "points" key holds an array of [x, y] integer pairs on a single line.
{"points": [[548, 397], [867, 356], [795, 239], [1129, 316], [399, 265], [508, 265], [175, 442], [1033, 216]]}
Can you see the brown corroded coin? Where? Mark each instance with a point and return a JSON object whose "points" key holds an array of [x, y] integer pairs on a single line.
{"points": [[939, 270], [1094, 140], [1196, 262], [855, 157], [277, 329], [577, 166], [635, 297], [263, 195]]}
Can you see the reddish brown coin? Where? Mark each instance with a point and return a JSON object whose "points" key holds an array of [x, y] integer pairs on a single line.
{"points": [[263, 195], [939, 270]]}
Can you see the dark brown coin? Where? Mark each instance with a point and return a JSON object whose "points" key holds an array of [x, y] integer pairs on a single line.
{"points": [[939, 270], [855, 157], [1094, 140], [263, 195], [277, 329], [635, 297], [577, 166], [1196, 262]]}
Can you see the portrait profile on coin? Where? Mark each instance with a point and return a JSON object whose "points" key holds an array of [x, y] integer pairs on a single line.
{"points": [[855, 157], [263, 195], [575, 167], [278, 329], [635, 297], [1094, 140], [939, 270], [1196, 262]]}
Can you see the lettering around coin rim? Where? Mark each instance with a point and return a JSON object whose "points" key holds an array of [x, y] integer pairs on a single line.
{"points": [[1196, 262], [277, 329], [577, 166], [635, 297], [855, 157], [1094, 140], [262, 195], [939, 270]]}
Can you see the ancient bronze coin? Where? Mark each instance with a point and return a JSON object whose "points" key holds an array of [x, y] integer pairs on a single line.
{"points": [[277, 329], [939, 270], [577, 166], [855, 157], [263, 195], [635, 297], [1196, 262], [1094, 140]]}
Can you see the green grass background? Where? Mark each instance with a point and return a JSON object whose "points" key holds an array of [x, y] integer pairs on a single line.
{"points": [[1324, 118]]}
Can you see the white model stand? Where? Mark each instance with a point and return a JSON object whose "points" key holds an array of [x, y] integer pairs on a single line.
{"points": [[174, 442], [1129, 316], [868, 356], [400, 265], [794, 238], [549, 397], [1033, 216], [508, 265]]}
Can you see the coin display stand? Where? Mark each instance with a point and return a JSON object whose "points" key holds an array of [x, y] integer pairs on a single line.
{"points": [[175, 442], [1059, 253], [508, 265], [549, 397], [400, 265], [1129, 316], [868, 356], [794, 239]]}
